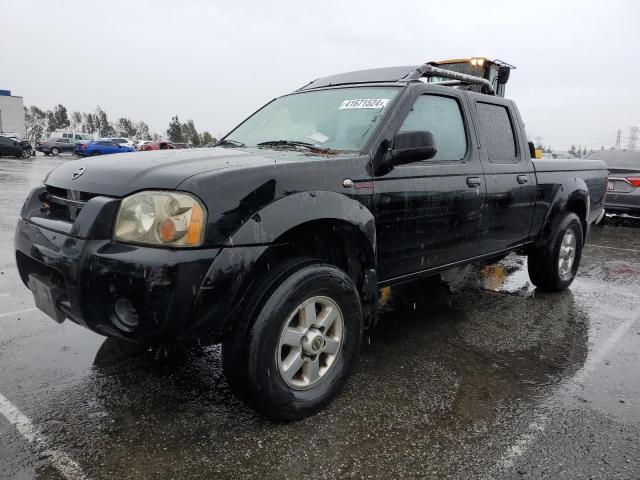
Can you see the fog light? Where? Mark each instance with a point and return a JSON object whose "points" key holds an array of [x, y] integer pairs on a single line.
{"points": [[125, 316]]}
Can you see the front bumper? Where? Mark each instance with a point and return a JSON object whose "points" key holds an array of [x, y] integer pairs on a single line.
{"points": [[91, 272]]}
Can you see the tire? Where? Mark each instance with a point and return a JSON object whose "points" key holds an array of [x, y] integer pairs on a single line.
{"points": [[26, 153], [55, 151], [257, 354], [544, 266]]}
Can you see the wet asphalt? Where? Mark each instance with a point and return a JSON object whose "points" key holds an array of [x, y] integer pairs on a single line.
{"points": [[491, 380]]}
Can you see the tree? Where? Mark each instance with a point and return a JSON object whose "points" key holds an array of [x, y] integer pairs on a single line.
{"points": [[572, 150], [51, 122], [103, 127], [207, 138], [142, 131], [155, 137], [190, 134], [88, 123], [35, 124], [76, 121], [125, 128], [174, 132], [61, 118], [584, 152]]}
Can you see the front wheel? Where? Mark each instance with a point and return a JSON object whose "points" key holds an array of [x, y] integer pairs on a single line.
{"points": [[55, 152], [298, 342], [26, 153], [554, 266]]}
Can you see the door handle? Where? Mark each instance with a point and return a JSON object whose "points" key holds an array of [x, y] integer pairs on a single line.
{"points": [[473, 182], [522, 179]]}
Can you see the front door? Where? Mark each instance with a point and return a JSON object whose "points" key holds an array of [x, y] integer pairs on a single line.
{"points": [[511, 183], [429, 213]]}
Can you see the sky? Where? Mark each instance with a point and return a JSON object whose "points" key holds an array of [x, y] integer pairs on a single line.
{"points": [[578, 62]]}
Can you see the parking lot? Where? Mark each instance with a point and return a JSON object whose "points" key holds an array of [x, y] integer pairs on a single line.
{"points": [[492, 380]]}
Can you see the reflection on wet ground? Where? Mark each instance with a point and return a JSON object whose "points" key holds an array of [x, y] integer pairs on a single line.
{"points": [[449, 382]]}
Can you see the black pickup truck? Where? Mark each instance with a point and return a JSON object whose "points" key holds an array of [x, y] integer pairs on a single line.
{"points": [[277, 240]]}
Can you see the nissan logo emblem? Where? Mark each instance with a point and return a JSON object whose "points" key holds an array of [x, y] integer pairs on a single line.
{"points": [[78, 173]]}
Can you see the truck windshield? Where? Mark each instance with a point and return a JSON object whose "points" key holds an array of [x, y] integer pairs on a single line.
{"points": [[337, 119]]}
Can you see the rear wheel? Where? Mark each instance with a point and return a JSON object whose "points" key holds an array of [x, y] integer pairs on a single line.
{"points": [[55, 151], [26, 153], [298, 341], [554, 266]]}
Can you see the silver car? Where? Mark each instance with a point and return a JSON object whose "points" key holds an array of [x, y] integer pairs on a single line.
{"points": [[623, 187]]}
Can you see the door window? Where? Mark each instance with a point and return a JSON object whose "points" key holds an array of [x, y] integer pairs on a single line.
{"points": [[496, 133], [442, 117]]}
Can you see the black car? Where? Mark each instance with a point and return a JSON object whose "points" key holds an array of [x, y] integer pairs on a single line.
{"points": [[56, 146], [14, 147], [276, 241]]}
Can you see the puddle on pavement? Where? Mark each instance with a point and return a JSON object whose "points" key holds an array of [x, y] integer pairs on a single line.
{"points": [[436, 376]]}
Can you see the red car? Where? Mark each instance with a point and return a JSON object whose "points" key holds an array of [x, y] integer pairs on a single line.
{"points": [[157, 146]]}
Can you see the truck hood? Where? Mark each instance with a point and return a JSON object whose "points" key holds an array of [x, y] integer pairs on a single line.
{"points": [[120, 174]]}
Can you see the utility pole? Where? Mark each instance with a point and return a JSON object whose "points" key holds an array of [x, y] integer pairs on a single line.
{"points": [[617, 147], [633, 139]]}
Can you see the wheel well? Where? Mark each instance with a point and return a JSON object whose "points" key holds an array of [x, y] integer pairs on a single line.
{"points": [[338, 243], [578, 207]]}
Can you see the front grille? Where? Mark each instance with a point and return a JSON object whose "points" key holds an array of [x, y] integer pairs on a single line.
{"points": [[65, 204]]}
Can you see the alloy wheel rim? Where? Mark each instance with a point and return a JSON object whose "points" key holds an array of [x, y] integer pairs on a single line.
{"points": [[310, 342], [567, 254]]}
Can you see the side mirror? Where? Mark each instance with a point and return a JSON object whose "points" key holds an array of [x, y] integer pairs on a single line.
{"points": [[412, 146]]}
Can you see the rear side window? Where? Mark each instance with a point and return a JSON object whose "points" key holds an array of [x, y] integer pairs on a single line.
{"points": [[496, 133], [442, 117]]}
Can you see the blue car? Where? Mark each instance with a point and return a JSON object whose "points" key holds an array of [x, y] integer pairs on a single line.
{"points": [[100, 147]]}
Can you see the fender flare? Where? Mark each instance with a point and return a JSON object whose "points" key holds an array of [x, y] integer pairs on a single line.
{"points": [[571, 190], [235, 267], [276, 218]]}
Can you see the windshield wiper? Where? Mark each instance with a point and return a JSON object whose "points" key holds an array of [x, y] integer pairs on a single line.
{"points": [[296, 143], [229, 143]]}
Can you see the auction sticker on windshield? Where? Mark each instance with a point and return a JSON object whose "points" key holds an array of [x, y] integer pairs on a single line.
{"points": [[364, 103]]}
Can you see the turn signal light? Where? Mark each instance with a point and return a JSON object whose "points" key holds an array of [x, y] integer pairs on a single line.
{"points": [[194, 233], [634, 181]]}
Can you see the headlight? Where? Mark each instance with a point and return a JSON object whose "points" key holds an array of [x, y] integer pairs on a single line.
{"points": [[170, 219]]}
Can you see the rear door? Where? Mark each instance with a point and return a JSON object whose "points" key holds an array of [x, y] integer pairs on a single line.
{"points": [[509, 176], [65, 145], [6, 146], [429, 213]]}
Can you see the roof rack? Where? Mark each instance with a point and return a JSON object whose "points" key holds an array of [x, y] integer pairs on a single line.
{"points": [[455, 78]]}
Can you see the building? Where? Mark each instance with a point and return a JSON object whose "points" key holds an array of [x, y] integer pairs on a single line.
{"points": [[11, 114]]}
